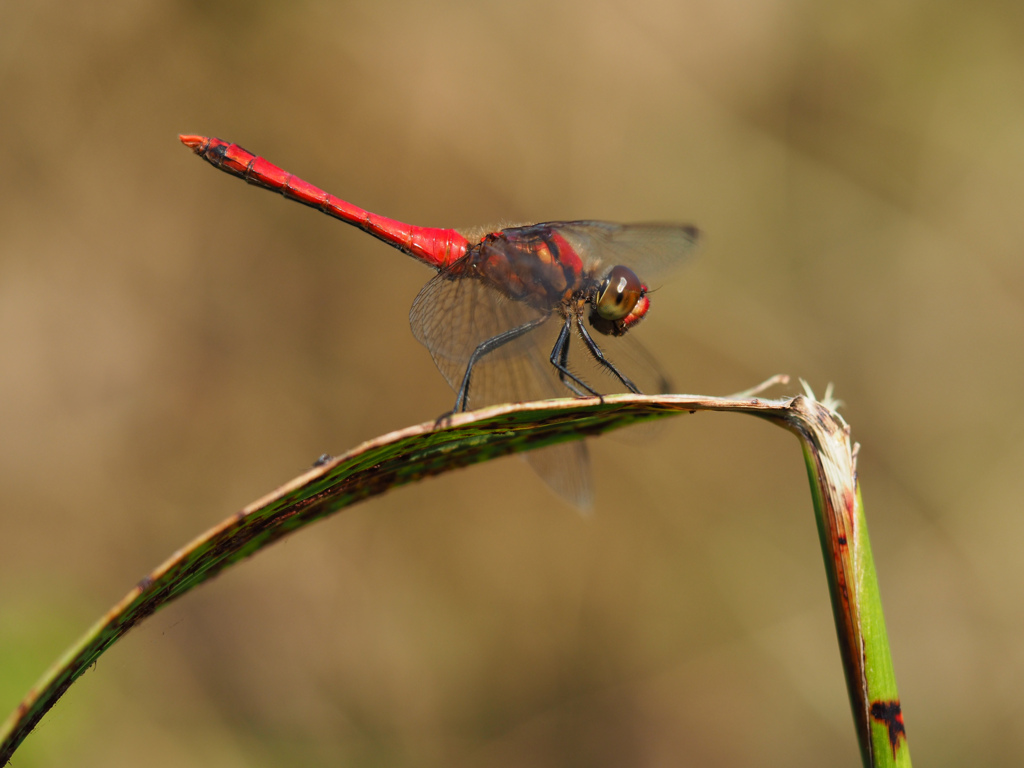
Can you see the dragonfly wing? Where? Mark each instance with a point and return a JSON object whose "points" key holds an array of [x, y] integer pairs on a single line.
{"points": [[565, 467], [452, 316], [650, 250]]}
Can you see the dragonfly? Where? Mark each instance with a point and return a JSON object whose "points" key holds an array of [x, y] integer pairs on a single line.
{"points": [[501, 313]]}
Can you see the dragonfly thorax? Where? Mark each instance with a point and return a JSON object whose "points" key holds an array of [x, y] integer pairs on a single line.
{"points": [[528, 264]]}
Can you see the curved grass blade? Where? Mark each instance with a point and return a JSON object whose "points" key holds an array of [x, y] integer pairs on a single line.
{"points": [[429, 449], [831, 462]]}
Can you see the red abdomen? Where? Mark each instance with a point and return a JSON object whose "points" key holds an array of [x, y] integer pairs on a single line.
{"points": [[431, 245]]}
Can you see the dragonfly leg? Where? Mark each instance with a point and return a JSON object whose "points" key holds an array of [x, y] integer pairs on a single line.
{"points": [[490, 345], [598, 355], [560, 359], [563, 359]]}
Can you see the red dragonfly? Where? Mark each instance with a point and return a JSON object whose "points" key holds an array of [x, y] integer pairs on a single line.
{"points": [[501, 299]]}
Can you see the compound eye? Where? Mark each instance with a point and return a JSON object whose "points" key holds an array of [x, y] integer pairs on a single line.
{"points": [[618, 294]]}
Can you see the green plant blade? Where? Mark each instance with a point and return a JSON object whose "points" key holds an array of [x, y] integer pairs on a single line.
{"points": [[853, 583], [429, 449]]}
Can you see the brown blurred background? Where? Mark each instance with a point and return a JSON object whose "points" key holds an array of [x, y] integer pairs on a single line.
{"points": [[174, 344]]}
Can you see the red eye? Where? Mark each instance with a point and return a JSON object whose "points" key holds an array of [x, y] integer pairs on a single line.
{"points": [[618, 294]]}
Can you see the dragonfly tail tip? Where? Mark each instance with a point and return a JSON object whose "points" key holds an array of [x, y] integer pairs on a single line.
{"points": [[190, 141]]}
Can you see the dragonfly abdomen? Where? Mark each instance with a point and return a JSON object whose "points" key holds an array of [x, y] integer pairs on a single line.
{"points": [[434, 246]]}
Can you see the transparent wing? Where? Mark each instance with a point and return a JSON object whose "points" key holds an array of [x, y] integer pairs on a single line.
{"points": [[452, 316], [650, 250], [565, 467]]}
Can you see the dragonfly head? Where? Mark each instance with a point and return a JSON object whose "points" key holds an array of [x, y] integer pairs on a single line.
{"points": [[619, 302]]}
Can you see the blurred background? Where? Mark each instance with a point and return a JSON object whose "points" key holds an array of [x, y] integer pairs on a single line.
{"points": [[175, 344]]}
